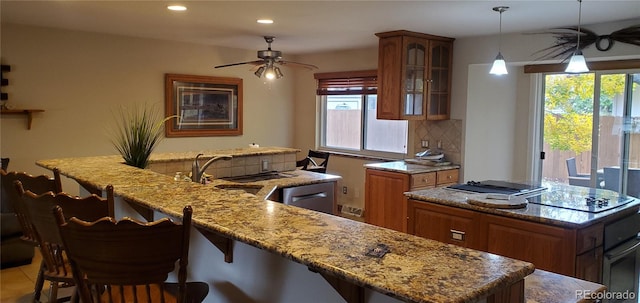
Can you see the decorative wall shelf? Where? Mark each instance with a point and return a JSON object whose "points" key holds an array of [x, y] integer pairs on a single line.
{"points": [[27, 112]]}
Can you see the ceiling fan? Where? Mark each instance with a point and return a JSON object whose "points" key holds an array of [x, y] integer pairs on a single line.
{"points": [[269, 61]]}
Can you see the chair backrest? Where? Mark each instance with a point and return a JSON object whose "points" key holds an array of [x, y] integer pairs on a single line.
{"points": [[118, 258], [39, 209], [633, 183], [612, 180], [313, 158], [11, 197], [5, 163], [571, 167]]}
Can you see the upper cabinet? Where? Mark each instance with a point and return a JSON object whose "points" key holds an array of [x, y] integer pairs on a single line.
{"points": [[414, 76]]}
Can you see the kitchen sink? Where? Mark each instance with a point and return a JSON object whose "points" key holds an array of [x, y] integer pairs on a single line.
{"points": [[248, 188], [259, 177]]}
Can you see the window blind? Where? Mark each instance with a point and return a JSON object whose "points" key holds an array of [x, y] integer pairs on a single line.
{"points": [[347, 83]]}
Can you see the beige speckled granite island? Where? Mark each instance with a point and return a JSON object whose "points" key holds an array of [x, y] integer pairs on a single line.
{"points": [[547, 233], [279, 249]]}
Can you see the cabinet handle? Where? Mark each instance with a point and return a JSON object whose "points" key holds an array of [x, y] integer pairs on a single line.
{"points": [[457, 235], [425, 180], [449, 177]]}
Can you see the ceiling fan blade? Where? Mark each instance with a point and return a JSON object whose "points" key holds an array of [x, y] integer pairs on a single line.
{"points": [[256, 62], [297, 64]]}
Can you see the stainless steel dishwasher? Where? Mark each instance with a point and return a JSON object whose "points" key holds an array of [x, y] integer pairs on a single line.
{"points": [[318, 197]]}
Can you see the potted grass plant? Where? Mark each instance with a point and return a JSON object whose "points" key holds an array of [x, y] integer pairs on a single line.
{"points": [[137, 133]]}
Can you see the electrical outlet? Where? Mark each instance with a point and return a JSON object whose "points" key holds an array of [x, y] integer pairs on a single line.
{"points": [[354, 211], [425, 143], [265, 165], [344, 190], [439, 144]]}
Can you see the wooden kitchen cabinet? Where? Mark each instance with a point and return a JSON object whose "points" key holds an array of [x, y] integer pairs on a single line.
{"points": [[445, 224], [547, 247], [414, 76], [384, 199], [385, 202], [575, 252]]}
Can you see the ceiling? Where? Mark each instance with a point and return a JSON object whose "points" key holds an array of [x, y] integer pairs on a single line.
{"points": [[308, 26]]}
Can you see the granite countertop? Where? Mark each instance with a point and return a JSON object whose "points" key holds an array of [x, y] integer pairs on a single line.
{"points": [[409, 168], [266, 187], [544, 286], [532, 212], [415, 269], [171, 157]]}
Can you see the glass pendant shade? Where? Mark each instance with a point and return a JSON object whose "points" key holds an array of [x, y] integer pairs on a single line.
{"points": [[499, 66], [278, 72], [259, 72], [577, 64]]}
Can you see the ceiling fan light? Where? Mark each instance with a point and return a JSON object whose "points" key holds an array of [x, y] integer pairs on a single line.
{"points": [[259, 72], [270, 73], [499, 66], [278, 72], [577, 64]]}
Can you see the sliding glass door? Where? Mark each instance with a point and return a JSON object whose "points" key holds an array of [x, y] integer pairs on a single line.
{"points": [[591, 130]]}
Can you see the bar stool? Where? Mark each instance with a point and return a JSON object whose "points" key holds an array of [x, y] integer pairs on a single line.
{"points": [[36, 184], [39, 210], [129, 261]]}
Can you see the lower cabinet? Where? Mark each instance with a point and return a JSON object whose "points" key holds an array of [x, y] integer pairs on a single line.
{"points": [[567, 251], [385, 202], [445, 224]]}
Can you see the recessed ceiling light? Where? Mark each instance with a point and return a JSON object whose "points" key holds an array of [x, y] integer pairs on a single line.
{"points": [[265, 21], [177, 7]]}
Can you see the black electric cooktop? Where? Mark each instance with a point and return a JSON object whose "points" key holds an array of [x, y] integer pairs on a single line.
{"points": [[582, 199], [497, 187], [568, 197]]}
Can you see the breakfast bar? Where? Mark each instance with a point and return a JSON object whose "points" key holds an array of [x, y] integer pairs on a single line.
{"points": [[283, 253]]}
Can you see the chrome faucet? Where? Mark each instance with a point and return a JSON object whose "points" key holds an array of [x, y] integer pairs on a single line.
{"points": [[197, 172]]}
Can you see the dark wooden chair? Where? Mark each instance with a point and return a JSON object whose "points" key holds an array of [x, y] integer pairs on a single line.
{"points": [[310, 163], [11, 200], [39, 210], [119, 261]]}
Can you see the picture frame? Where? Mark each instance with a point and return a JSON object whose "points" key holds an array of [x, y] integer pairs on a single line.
{"points": [[203, 106]]}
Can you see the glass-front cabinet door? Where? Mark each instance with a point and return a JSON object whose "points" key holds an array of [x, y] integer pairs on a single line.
{"points": [[438, 94], [414, 78]]}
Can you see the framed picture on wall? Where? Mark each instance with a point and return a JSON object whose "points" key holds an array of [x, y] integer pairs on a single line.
{"points": [[203, 105]]}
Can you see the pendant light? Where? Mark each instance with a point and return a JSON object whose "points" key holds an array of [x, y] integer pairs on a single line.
{"points": [[577, 64], [499, 66]]}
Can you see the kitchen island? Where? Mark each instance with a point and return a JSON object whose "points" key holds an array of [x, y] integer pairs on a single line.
{"points": [[285, 254], [555, 229]]}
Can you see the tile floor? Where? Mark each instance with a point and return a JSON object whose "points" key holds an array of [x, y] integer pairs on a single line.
{"points": [[16, 283]]}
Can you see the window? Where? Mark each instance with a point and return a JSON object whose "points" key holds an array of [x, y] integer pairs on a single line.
{"points": [[592, 119], [348, 116]]}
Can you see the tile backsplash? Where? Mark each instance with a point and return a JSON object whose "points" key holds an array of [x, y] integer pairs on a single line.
{"points": [[238, 166], [447, 132]]}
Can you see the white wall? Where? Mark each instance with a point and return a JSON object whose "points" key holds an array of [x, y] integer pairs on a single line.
{"points": [[79, 78]]}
